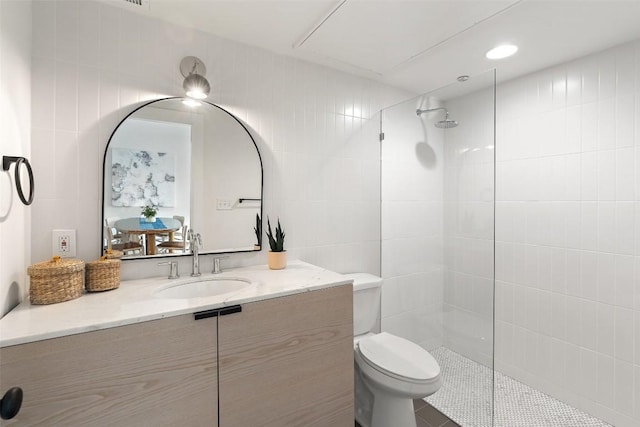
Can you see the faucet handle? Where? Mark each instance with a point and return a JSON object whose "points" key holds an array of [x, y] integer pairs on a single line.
{"points": [[173, 273], [216, 264], [194, 238]]}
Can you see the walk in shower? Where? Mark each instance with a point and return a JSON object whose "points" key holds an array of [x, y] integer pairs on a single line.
{"points": [[448, 268]]}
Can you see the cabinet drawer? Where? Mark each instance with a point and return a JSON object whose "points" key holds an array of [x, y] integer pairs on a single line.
{"points": [[157, 373]]}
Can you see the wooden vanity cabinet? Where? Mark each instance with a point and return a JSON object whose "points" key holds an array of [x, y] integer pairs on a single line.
{"points": [[288, 361], [156, 373], [280, 362]]}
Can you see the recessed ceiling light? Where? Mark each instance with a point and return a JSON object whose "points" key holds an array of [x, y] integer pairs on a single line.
{"points": [[502, 51]]}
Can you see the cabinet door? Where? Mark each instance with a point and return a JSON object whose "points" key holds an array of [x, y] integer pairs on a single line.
{"points": [[157, 373], [288, 361]]}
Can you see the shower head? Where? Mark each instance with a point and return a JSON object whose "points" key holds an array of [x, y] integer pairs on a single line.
{"points": [[443, 124], [446, 124]]}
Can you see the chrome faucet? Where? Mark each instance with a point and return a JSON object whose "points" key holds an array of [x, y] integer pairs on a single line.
{"points": [[194, 245], [173, 274], [216, 265]]}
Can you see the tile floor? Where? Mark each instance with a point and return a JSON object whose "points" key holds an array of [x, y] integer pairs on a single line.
{"points": [[468, 390], [428, 416], [467, 397]]}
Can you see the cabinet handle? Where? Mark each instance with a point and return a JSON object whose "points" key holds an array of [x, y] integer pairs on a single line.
{"points": [[217, 312], [10, 403]]}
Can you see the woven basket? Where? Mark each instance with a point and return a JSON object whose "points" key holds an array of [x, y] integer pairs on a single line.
{"points": [[102, 275], [56, 280], [113, 254]]}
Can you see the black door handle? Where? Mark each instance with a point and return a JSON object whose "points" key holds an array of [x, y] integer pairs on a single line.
{"points": [[217, 312], [10, 403]]}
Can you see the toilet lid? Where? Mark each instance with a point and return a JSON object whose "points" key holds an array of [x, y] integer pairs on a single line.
{"points": [[399, 356]]}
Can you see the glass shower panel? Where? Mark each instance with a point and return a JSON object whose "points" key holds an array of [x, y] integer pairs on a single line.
{"points": [[438, 238]]}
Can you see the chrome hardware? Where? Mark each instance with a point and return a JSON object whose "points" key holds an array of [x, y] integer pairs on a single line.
{"points": [[194, 245], [173, 273], [216, 265]]}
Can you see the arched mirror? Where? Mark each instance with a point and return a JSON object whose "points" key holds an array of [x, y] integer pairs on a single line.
{"points": [[196, 166]]}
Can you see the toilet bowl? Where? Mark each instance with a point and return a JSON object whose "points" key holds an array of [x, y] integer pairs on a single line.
{"points": [[395, 371], [390, 371]]}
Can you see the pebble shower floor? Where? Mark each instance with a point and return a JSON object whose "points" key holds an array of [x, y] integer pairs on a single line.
{"points": [[466, 395]]}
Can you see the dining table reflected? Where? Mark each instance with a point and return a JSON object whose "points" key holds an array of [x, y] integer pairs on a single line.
{"points": [[150, 230]]}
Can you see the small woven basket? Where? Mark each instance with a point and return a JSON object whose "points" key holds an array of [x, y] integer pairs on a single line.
{"points": [[103, 275], [113, 254], [56, 280]]}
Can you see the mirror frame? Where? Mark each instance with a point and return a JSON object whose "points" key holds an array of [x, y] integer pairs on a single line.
{"points": [[104, 160]]}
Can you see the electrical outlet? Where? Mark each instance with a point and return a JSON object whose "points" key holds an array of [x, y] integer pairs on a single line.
{"points": [[224, 204], [64, 243]]}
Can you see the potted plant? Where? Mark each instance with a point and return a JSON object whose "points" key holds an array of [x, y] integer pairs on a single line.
{"points": [[277, 256], [149, 213], [258, 230]]}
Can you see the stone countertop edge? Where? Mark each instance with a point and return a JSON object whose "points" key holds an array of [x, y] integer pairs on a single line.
{"points": [[133, 302]]}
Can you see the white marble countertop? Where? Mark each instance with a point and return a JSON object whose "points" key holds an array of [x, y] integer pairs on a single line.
{"points": [[134, 302]]}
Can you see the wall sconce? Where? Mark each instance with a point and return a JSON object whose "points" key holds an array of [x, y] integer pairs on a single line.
{"points": [[195, 84]]}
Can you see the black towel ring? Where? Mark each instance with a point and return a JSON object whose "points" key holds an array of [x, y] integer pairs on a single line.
{"points": [[6, 162]]}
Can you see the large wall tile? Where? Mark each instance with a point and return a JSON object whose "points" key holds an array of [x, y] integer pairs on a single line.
{"points": [[577, 206]]}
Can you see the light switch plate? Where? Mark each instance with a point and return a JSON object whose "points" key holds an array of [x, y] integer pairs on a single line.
{"points": [[224, 204]]}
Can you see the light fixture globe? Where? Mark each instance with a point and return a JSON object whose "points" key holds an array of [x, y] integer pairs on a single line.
{"points": [[195, 84]]}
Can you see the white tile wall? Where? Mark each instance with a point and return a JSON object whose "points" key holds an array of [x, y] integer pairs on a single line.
{"points": [[567, 238], [15, 140], [316, 129]]}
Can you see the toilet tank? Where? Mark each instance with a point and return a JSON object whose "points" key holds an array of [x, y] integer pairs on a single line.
{"points": [[366, 301]]}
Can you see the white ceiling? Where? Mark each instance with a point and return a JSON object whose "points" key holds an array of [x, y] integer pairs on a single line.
{"points": [[418, 45]]}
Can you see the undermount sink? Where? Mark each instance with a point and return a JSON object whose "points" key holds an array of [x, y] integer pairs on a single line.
{"points": [[203, 288]]}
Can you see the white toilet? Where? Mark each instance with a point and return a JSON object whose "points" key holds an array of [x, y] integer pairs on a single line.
{"points": [[389, 371]]}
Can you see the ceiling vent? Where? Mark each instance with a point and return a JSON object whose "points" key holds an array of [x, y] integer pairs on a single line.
{"points": [[137, 4]]}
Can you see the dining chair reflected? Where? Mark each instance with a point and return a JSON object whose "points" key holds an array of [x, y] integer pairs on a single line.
{"points": [[110, 222], [177, 235], [177, 243], [127, 245]]}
